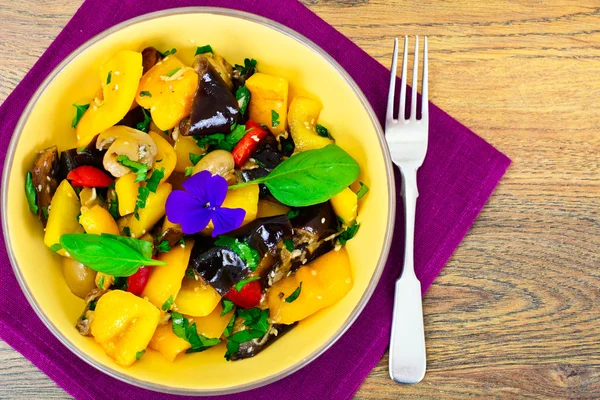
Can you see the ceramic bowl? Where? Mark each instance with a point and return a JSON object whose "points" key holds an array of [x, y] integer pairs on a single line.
{"points": [[280, 51]]}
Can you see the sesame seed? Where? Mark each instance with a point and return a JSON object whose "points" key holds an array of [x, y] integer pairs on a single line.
{"points": [[313, 272], [117, 73], [304, 261], [319, 297], [126, 143], [143, 232], [170, 87], [192, 41], [47, 189], [117, 86], [39, 188], [133, 235], [166, 58], [322, 220], [95, 108], [348, 280], [69, 195], [182, 245]]}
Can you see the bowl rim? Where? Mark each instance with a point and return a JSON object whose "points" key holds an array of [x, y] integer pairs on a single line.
{"points": [[285, 31]]}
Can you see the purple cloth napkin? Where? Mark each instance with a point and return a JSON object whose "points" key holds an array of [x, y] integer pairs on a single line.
{"points": [[458, 176]]}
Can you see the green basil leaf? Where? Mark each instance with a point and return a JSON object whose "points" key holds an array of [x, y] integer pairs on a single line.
{"points": [[141, 246], [106, 254], [294, 294], [274, 119], [323, 132], [155, 179], [81, 109], [349, 233], [145, 93], [310, 177], [242, 95], [167, 304], [31, 194], [227, 305], [362, 191], [204, 49], [144, 126], [240, 285]]}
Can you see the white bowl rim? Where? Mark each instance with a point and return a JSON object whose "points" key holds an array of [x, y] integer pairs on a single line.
{"points": [[281, 29]]}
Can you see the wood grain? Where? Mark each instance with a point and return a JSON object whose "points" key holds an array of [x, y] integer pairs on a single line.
{"points": [[515, 312]]}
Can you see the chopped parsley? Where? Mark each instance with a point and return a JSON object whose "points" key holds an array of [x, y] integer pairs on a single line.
{"points": [[289, 244], [349, 233], [242, 95], [182, 328], [139, 168], [127, 231], [144, 126], [257, 326], [227, 305], [92, 305], [294, 295], [274, 118], [168, 52], [240, 285], [113, 207], [109, 77], [167, 304], [293, 213], [362, 191], [101, 283], [173, 72], [55, 247], [139, 354], [248, 63], [204, 49], [229, 327], [189, 171], [46, 213], [163, 247], [195, 158], [189, 273], [145, 93], [242, 249], [323, 132], [142, 198], [221, 141], [81, 109], [30, 194], [155, 179]]}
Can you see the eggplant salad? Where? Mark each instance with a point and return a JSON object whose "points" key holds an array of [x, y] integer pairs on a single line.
{"points": [[200, 207]]}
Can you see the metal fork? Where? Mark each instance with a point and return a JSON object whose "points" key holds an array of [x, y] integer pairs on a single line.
{"points": [[407, 141]]}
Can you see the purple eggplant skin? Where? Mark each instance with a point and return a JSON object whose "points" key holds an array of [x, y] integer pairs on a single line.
{"points": [[150, 57], [264, 234], [214, 108], [318, 220], [220, 266], [133, 118], [73, 158], [240, 79], [253, 347], [44, 176], [267, 153]]}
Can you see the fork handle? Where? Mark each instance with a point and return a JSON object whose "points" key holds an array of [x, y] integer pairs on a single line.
{"points": [[407, 362]]}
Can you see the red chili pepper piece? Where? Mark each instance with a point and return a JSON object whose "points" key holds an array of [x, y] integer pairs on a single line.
{"points": [[248, 297], [137, 282], [88, 176], [248, 144]]}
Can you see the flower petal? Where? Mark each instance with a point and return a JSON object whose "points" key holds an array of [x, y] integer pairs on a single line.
{"points": [[227, 219], [199, 186], [182, 208], [217, 190]]}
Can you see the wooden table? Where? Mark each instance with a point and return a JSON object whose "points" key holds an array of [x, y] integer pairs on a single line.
{"points": [[516, 312]]}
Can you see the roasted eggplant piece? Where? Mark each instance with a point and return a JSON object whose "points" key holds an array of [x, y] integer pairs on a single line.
{"points": [[73, 158], [150, 57], [214, 108], [240, 75], [264, 234], [133, 118], [253, 347], [44, 177], [171, 236], [319, 221], [219, 266], [267, 153], [287, 145]]}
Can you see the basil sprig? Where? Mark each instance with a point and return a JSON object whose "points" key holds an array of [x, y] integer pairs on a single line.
{"points": [[310, 177], [111, 254]]}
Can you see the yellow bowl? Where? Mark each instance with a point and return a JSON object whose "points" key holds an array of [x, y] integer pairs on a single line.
{"points": [[236, 35]]}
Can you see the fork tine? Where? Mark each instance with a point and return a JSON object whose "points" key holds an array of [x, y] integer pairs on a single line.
{"points": [[413, 99], [402, 112], [390, 107], [424, 90]]}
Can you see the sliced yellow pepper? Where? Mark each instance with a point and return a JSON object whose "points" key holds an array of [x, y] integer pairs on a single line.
{"points": [[120, 76], [123, 325], [168, 90], [151, 213], [269, 95], [127, 191], [246, 198], [268, 208], [168, 343], [184, 145], [196, 298], [213, 325], [324, 282], [302, 117], [345, 205], [97, 220], [64, 209], [166, 157]]}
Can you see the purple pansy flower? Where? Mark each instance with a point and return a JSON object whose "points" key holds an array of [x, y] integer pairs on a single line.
{"points": [[194, 208]]}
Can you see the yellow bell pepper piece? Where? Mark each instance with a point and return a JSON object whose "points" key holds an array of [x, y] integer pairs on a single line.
{"points": [[213, 325], [245, 197], [171, 86], [123, 325], [184, 145], [97, 220], [127, 191], [345, 205], [268, 208], [268, 93], [196, 298], [151, 213], [166, 157], [120, 76], [165, 282], [324, 282], [303, 116], [168, 343], [64, 209]]}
